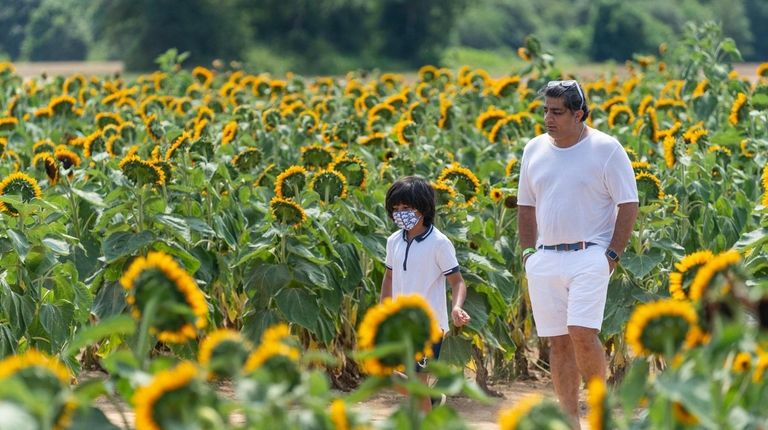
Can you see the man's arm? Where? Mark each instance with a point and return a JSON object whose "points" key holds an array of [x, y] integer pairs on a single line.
{"points": [[386, 285], [458, 295], [526, 228], [625, 223]]}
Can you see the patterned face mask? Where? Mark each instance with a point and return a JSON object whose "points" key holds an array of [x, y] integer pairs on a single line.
{"points": [[406, 219]]}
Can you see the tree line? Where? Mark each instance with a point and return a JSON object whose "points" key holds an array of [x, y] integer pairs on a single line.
{"points": [[331, 36]]}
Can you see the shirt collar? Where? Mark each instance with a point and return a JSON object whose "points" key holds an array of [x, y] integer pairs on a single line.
{"points": [[420, 237]]}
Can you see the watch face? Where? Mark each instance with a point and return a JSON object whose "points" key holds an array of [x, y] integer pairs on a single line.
{"points": [[612, 254]]}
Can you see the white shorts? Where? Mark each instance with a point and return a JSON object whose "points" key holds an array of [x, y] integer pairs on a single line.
{"points": [[567, 288]]}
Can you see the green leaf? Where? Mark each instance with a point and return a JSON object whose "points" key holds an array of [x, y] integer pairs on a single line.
{"points": [[177, 225], [189, 262], [57, 246], [125, 243], [456, 350], [641, 265], [298, 306], [20, 243], [254, 323], [116, 325], [15, 417], [267, 279], [90, 197], [476, 305], [53, 321], [110, 300], [753, 239]]}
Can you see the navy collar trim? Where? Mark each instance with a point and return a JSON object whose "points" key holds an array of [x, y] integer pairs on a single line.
{"points": [[420, 237]]}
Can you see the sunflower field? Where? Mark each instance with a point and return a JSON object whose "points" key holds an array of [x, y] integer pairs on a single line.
{"points": [[189, 226]]}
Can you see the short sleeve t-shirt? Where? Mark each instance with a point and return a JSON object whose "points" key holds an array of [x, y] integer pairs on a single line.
{"points": [[576, 190], [420, 267]]}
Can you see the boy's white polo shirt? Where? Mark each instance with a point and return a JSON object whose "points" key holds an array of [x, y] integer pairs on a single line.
{"points": [[420, 267]]}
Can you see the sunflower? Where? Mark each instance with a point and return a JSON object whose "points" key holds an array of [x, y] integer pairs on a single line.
{"points": [[649, 186], [737, 113], [405, 130], [330, 184], [641, 166], [620, 114], [290, 182], [523, 53], [510, 419], [427, 73], [416, 112], [445, 194], [503, 129], [153, 127], [287, 211], [316, 156], [49, 164], [694, 133], [463, 180], [506, 86], [224, 352], [446, 114], [201, 126], [682, 415], [667, 132], [104, 119], [486, 120], [62, 105], [708, 271], [14, 365], [22, 184], [276, 362], [662, 327], [141, 172], [8, 123], [204, 76], [247, 159], [67, 158], [645, 103], [701, 88], [669, 151], [598, 415], [742, 362], [45, 145], [510, 166], [179, 142], [158, 403], [181, 306], [746, 153], [760, 366], [684, 266], [395, 320], [372, 139], [496, 194], [765, 185], [379, 115], [353, 168], [229, 132]]}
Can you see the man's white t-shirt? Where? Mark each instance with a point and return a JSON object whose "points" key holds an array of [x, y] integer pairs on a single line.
{"points": [[420, 267], [576, 190]]}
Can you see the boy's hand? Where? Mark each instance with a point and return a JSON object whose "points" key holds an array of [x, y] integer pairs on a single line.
{"points": [[460, 316]]}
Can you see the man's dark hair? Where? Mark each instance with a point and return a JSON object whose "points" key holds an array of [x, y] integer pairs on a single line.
{"points": [[571, 98], [415, 192]]}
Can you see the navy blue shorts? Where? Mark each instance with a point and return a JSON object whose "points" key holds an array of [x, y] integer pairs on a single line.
{"points": [[421, 365]]}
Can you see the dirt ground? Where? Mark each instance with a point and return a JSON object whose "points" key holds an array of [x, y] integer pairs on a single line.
{"points": [[478, 416]]}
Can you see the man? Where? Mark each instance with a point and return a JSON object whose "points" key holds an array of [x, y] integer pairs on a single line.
{"points": [[577, 204]]}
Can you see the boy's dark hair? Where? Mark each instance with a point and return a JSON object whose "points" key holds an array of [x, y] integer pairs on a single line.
{"points": [[415, 192]]}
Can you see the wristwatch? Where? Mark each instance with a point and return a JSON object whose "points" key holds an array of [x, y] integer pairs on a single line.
{"points": [[612, 255]]}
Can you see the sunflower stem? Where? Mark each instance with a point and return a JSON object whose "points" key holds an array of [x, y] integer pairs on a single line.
{"points": [[143, 340], [75, 210]]}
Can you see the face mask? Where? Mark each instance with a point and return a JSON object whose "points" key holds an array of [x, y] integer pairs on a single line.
{"points": [[406, 219]]}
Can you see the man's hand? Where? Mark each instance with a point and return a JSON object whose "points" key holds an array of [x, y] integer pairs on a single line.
{"points": [[459, 316], [611, 265]]}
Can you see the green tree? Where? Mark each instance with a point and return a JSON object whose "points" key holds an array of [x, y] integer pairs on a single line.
{"points": [[621, 29], [55, 32], [757, 13], [14, 16]]}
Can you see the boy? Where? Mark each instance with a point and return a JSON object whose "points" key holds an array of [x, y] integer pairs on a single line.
{"points": [[420, 258]]}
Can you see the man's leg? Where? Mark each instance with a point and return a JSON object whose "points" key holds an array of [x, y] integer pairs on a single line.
{"points": [[565, 374], [590, 356]]}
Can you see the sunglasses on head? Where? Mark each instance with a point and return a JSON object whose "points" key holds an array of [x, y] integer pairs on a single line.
{"points": [[568, 84]]}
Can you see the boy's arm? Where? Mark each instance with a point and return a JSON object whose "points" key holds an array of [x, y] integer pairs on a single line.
{"points": [[386, 285], [459, 294]]}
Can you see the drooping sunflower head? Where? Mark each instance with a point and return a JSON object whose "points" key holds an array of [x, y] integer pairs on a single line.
{"points": [[406, 131], [649, 187], [445, 194], [229, 133], [404, 319], [62, 105], [290, 182], [684, 272], [48, 164], [180, 307], [533, 412], [738, 109], [707, 278], [620, 114], [463, 180], [662, 327], [45, 145], [509, 168], [287, 212], [496, 194], [275, 362], [316, 156], [8, 123], [487, 119], [19, 184], [506, 86], [159, 403], [68, 159], [141, 172], [247, 159], [153, 127], [330, 185], [353, 168], [427, 73], [38, 371], [224, 352], [103, 119]]}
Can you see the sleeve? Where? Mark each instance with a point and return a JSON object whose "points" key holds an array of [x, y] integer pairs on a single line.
{"points": [[525, 195], [446, 258], [389, 262], [619, 177]]}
